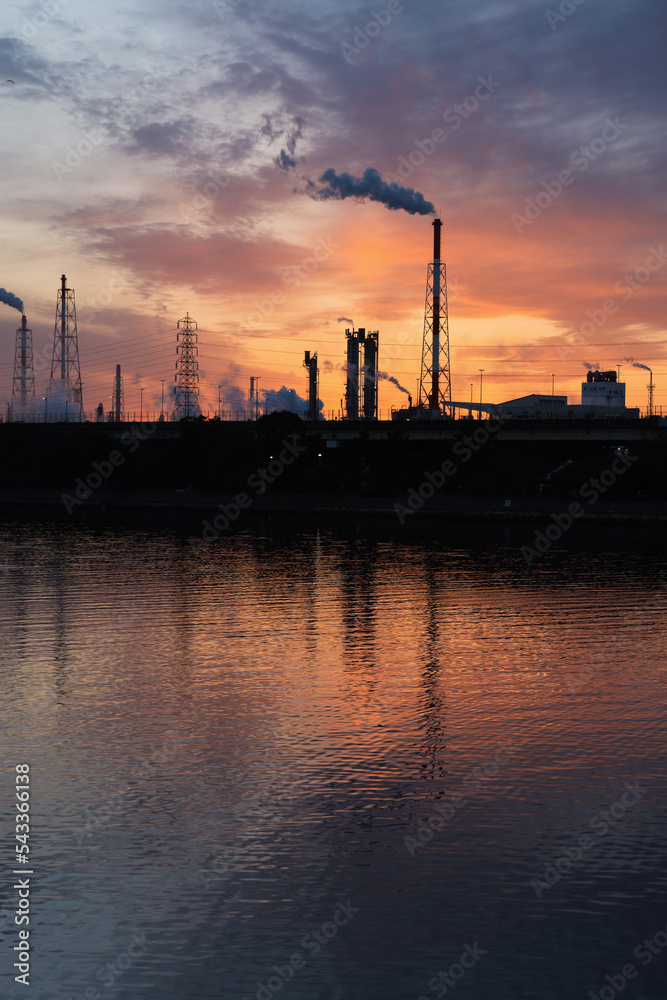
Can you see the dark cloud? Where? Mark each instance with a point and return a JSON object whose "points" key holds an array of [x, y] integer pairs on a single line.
{"points": [[161, 138], [285, 162], [286, 159]]}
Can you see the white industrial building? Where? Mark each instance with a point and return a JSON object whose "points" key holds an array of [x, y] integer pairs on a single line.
{"points": [[601, 396]]}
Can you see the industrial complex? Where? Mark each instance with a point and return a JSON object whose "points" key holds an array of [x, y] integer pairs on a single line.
{"points": [[602, 394]]}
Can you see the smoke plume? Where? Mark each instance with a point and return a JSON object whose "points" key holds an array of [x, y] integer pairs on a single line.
{"points": [[351, 371], [636, 364], [591, 368], [390, 378], [11, 300], [371, 186], [346, 319], [287, 399]]}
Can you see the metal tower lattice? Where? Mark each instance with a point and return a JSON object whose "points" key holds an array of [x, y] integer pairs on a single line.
{"points": [[23, 386], [118, 398], [354, 339], [369, 388], [435, 386], [186, 403], [65, 366], [650, 396], [313, 384]]}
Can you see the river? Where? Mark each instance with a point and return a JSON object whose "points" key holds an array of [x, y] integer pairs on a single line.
{"points": [[334, 760]]}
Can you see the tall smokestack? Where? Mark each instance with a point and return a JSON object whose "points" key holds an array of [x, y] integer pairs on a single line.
{"points": [[63, 328], [116, 396], [370, 389], [311, 364], [354, 337], [24, 366], [435, 383], [650, 394], [23, 384], [435, 375]]}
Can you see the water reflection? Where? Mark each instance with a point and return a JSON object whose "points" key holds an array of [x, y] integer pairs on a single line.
{"points": [[227, 745]]}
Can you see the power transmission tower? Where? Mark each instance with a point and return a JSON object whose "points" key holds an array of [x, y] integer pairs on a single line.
{"points": [[186, 403]]}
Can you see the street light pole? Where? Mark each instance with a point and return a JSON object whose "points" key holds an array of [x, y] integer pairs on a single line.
{"points": [[219, 388], [162, 410], [141, 407], [552, 385], [481, 376]]}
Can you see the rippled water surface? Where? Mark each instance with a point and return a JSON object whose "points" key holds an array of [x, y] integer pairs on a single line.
{"points": [[371, 755]]}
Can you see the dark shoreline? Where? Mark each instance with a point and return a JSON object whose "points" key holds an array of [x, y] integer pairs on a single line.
{"points": [[443, 509]]}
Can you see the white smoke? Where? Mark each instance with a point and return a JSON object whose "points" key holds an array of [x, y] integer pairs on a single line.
{"points": [[287, 399]]}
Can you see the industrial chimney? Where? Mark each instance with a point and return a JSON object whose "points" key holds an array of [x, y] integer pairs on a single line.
{"points": [[354, 340], [311, 364], [370, 384], [435, 382]]}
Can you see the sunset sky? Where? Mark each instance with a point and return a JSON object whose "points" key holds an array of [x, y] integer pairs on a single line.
{"points": [[162, 156]]}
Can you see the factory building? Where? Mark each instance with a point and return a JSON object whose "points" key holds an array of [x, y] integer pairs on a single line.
{"points": [[603, 389], [602, 395], [535, 407]]}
